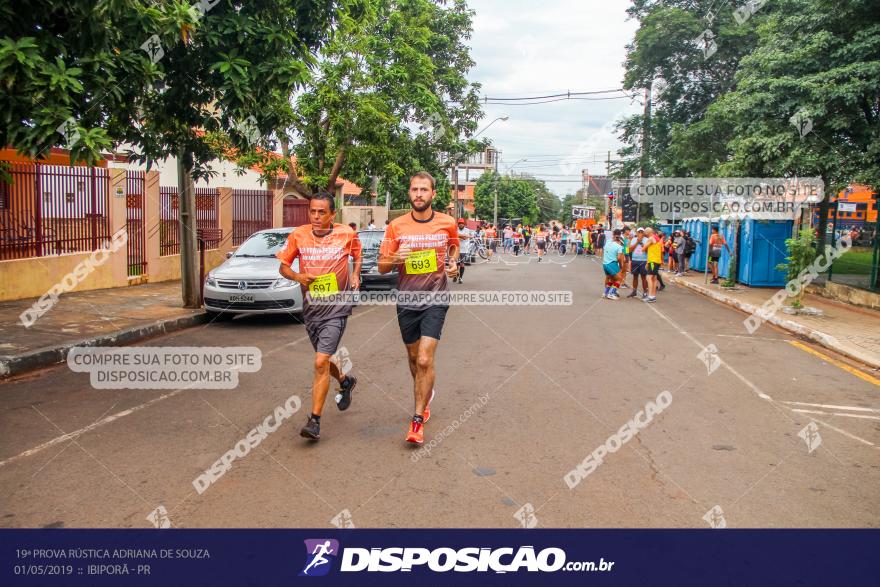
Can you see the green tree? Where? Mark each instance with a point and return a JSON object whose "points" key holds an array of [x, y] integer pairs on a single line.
{"points": [[163, 78], [792, 91], [549, 204], [388, 96], [804, 104], [196, 81], [667, 58], [567, 202], [517, 198], [801, 254]]}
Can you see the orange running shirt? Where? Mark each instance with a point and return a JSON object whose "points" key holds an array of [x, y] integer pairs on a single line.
{"points": [[325, 256], [429, 241]]}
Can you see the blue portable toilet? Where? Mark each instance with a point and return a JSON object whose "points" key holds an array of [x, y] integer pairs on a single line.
{"points": [[700, 234], [727, 229], [668, 229], [686, 226], [762, 248]]}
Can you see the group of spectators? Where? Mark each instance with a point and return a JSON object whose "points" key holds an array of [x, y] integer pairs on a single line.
{"points": [[644, 253], [641, 252]]}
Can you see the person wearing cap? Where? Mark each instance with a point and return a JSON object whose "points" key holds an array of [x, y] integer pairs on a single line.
{"points": [[465, 235], [638, 248]]}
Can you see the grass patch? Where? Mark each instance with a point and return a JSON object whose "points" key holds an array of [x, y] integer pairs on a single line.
{"points": [[856, 261]]}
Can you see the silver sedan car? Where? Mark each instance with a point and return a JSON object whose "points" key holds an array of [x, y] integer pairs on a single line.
{"points": [[249, 282]]}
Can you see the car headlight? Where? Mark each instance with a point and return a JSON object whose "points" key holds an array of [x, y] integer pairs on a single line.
{"points": [[282, 282], [210, 280]]}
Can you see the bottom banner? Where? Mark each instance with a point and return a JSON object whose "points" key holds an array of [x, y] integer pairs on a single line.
{"points": [[391, 557]]}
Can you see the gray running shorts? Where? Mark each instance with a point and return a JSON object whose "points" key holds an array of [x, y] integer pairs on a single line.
{"points": [[326, 334]]}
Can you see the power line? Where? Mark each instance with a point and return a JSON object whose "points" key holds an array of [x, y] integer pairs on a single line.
{"points": [[550, 101], [566, 95]]}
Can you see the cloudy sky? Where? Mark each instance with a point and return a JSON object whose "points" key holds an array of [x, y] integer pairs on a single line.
{"points": [[526, 48]]}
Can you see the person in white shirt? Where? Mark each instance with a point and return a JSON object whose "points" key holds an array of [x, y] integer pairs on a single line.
{"points": [[465, 235]]}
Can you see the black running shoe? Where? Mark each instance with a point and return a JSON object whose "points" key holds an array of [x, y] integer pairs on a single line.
{"points": [[343, 398], [311, 430]]}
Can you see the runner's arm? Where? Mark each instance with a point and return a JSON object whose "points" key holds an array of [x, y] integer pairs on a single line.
{"points": [[356, 252], [452, 253], [390, 252], [286, 256], [303, 278]]}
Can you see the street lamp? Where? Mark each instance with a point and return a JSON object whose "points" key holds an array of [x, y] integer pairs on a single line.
{"points": [[509, 169], [504, 118]]}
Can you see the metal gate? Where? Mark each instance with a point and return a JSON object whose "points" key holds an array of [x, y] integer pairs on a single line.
{"points": [[134, 221], [251, 211], [296, 211], [52, 209], [207, 218]]}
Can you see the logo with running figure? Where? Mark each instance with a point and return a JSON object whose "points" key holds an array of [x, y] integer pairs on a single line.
{"points": [[320, 554]]}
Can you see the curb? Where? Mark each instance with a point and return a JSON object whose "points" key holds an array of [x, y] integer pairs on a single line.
{"points": [[47, 356], [816, 336]]}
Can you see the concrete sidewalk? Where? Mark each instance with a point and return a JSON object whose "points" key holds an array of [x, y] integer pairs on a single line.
{"points": [[848, 330], [106, 317]]}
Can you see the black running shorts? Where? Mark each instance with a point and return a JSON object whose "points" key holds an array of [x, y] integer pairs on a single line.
{"points": [[415, 324]]}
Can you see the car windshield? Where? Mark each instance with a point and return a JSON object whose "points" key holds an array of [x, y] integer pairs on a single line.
{"points": [[371, 239], [264, 244]]}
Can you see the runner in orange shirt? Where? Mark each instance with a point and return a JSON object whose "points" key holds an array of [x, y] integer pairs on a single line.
{"points": [[424, 245], [491, 236], [323, 249]]}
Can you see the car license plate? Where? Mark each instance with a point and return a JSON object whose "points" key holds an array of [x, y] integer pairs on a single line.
{"points": [[241, 298]]}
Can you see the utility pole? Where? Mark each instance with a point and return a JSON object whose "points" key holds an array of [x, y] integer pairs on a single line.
{"points": [[455, 187], [608, 177], [189, 274], [495, 210], [646, 141], [584, 185]]}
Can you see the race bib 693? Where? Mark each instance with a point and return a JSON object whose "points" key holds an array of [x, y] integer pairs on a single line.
{"points": [[424, 261]]}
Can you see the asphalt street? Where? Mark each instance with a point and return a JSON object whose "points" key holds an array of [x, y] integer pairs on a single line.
{"points": [[555, 381]]}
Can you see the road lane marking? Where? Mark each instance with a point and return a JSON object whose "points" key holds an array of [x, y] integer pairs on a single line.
{"points": [[123, 413], [844, 432], [751, 338], [83, 430], [802, 411], [754, 387], [724, 363], [836, 363], [834, 407]]}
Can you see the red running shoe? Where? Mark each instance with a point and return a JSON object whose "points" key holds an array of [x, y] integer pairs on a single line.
{"points": [[427, 413], [416, 434]]}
